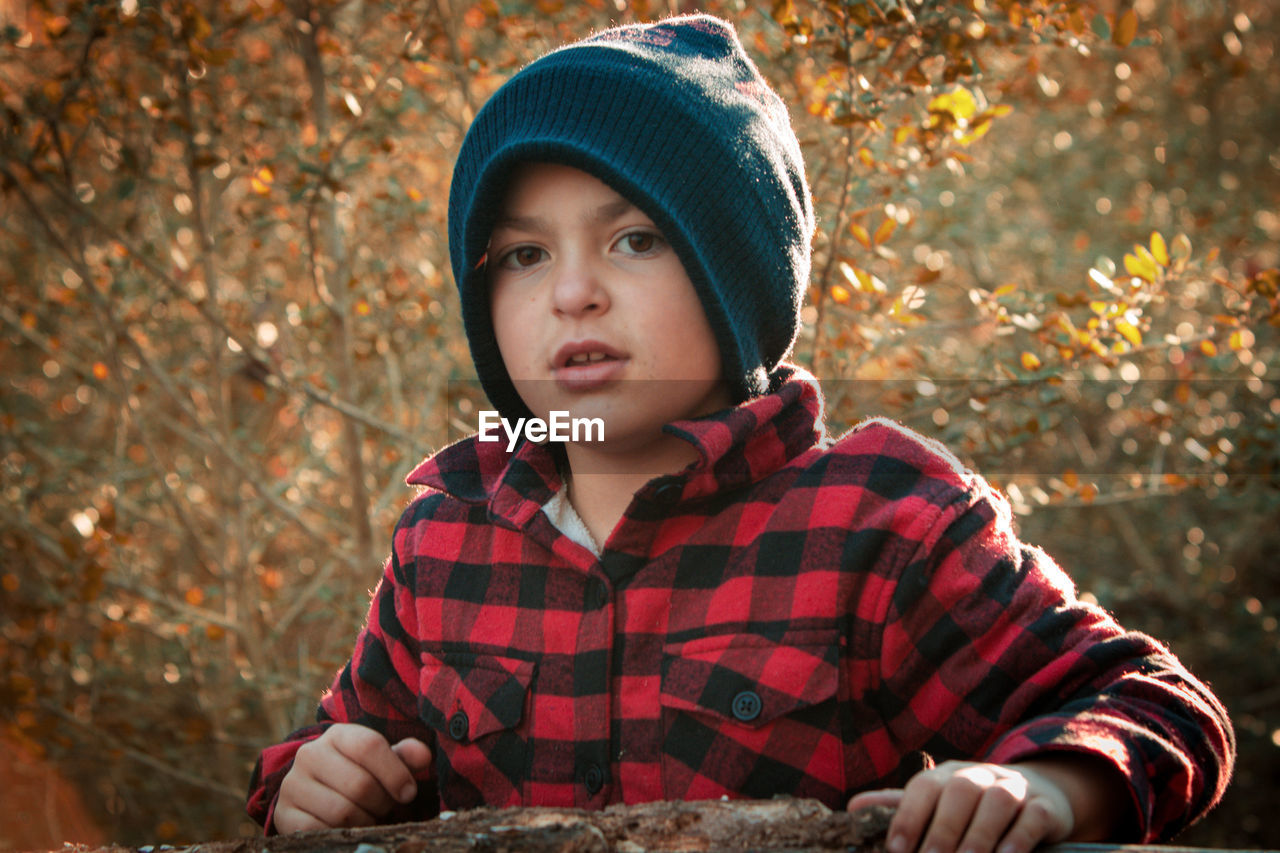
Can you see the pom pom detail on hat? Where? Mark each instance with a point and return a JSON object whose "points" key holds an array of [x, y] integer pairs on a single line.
{"points": [[675, 117]]}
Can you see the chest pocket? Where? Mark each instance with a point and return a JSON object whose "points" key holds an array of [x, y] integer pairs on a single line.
{"points": [[750, 716], [476, 704]]}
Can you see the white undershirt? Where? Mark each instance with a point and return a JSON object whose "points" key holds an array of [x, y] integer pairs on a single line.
{"points": [[561, 513]]}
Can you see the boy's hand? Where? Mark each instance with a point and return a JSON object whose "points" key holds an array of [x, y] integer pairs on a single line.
{"points": [[349, 776], [966, 807]]}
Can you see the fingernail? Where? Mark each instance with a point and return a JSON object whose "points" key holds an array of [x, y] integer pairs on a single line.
{"points": [[1008, 847], [897, 844], [408, 792]]}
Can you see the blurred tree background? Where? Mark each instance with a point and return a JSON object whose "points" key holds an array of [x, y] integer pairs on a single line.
{"points": [[1047, 235]]}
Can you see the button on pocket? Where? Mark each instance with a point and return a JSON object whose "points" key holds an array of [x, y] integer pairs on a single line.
{"points": [[746, 706], [476, 703], [753, 715]]}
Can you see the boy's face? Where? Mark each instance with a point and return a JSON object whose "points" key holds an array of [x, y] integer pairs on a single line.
{"points": [[593, 312]]}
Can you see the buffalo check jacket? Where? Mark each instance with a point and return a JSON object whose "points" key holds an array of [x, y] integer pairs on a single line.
{"points": [[789, 615]]}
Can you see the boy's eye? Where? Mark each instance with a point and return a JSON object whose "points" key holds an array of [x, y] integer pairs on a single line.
{"points": [[639, 242], [521, 256]]}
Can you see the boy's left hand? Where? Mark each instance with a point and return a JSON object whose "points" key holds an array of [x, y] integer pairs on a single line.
{"points": [[968, 807]]}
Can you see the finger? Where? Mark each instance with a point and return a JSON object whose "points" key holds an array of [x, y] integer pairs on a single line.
{"points": [[370, 751], [996, 810], [324, 805], [415, 754], [288, 819], [954, 811], [325, 766], [1035, 823], [884, 797], [914, 810]]}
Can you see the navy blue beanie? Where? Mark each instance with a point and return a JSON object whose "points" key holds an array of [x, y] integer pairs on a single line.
{"points": [[675, 118]]}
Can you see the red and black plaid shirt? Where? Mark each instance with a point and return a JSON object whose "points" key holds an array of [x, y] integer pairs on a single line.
{"points": [[789, 615]]}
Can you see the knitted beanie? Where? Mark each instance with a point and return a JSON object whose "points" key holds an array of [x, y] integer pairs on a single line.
{"points": [[675, 117]]}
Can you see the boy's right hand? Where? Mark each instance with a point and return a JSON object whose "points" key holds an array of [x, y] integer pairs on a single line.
{"points": [[349, 776]]}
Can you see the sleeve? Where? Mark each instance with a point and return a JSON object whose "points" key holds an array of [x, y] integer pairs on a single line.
{"points": [[376, 688], [986, 653]]}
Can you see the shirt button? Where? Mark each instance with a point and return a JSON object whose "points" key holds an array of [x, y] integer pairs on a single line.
{"points": [[597, 594], [593, 779], [458, 726], [746, 706]]}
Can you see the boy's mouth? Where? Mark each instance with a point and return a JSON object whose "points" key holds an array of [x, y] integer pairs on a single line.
{"points": [[586, 365]]}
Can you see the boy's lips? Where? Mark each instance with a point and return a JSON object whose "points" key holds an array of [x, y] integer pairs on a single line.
{"points": [[587, 365]]}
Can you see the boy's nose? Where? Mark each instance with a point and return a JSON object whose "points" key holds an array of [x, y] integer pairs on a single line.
{"points": [[577, 288]]}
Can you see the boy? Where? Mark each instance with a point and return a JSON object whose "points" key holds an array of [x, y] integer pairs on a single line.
{"points": [[715, 598]]}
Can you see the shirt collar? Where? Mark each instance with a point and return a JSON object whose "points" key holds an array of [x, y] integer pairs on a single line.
{"points": [[735, 447]]}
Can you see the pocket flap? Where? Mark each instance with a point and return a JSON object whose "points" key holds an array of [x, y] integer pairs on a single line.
{"points": [[484, 692], [750, 679]]}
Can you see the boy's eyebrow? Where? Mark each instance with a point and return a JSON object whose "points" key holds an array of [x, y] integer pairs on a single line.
{"points": [[602, 215]]}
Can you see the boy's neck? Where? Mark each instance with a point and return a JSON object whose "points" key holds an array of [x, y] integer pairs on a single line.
{"points": [[602, 484]]}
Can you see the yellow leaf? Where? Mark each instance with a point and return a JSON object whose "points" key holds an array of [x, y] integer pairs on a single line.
{"points": [[1130, 332], [865, 156], [959, 102], [1241, 339], [99, 371], [1030, 361], [1140, 267], [867, 283], [1126, 29], [978, 131], [1159, 250], [262, 180], [885, 230], [840, 294], [860, 234], [1209, 348]]}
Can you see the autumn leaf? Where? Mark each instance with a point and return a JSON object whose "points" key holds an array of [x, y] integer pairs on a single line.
{"points": [[262, 180], [1129, 332], [860, 234], [959, 104], [1181, 248], [1126, 28], [1030, 361], [1159, 250], [1141, 267], [885, 230]]}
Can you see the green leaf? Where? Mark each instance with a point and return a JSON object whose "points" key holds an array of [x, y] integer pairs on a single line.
{"points": [[1101, 28]]}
